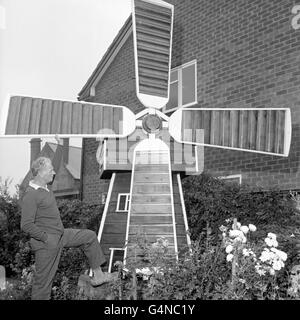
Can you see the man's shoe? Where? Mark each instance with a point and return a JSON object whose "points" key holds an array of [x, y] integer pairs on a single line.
{"points": [[106, 277]]}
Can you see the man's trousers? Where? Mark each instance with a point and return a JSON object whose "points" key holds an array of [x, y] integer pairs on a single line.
{"points": [[47, 256]]}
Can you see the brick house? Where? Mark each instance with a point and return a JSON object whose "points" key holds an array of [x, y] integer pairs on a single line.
{"points": [[244, 55], [231, 54]]}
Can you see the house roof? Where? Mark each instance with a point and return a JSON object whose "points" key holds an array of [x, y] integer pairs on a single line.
{"points": [[106, 60]]}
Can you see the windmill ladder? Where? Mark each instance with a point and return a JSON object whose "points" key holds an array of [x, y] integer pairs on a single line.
{"points": [[151, 209]]}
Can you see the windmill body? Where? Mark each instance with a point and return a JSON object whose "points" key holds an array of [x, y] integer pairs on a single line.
{"points": [[155, 203]]}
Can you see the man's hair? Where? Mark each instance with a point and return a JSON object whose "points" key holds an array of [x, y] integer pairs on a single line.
{"points": [[38, 164]]}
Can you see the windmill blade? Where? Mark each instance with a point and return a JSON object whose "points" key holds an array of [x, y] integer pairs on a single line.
{"points": [[152, 22], [38, 117], [260, 130]]}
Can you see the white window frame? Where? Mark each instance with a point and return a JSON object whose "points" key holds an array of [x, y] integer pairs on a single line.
{"points": [[179, 80], [233, 176], [111, 256], [126, 202]]}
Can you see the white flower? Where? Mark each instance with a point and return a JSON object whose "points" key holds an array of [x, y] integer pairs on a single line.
{"points": [[235, 233], [238, 225], [246, 252], [272, 272], [259, 270], [277, 265], [266, 255], [271, 242], [292, 235], [245, 229], [223, 228], [252, 227], [282, 255], [272, 235], [229, 257], [229, 248]]}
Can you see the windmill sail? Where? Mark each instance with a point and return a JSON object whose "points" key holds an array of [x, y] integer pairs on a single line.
{"points": [[152, 31], [27, 116], [260, 130]]}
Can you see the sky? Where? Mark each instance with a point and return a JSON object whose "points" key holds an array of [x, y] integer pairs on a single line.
{"points": [[49, 48]]}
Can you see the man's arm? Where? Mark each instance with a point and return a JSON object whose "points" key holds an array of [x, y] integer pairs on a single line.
{"points": [[29, 209]]}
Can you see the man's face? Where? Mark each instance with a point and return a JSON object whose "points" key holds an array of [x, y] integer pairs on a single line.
{"points": [[47, 173]]}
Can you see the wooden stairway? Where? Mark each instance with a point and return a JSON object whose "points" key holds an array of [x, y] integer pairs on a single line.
{"points": [[151, 211]]}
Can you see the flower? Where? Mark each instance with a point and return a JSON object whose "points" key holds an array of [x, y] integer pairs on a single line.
{"points": [[246, 252], [229, 257], [229, 248], [282, 255], [259, 270], [277, 265], [272, 235], [252, 227], [235, 233], [271, 242], [238, 225], [245, 229], [222, 228], [272, 272]]}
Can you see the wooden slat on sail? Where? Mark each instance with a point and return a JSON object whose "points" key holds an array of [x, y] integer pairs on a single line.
{"points": [[45, 117]]}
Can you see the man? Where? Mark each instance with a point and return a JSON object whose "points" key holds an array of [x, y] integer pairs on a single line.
{"points": [[41, 220]]}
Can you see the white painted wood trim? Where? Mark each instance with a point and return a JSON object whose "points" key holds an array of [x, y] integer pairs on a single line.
{"points": [[173, 209], [4, 115], [233, 176], [111, 256], [127, 195], [110, 188], [180, 84], [188, 239], [129, 209], [287, 132]]}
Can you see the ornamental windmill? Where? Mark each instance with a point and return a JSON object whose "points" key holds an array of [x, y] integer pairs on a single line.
{"points": [[152, 200]]}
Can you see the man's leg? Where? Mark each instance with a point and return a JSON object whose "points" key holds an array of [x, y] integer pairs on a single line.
{"points": [[46, 263], [87, 240]]}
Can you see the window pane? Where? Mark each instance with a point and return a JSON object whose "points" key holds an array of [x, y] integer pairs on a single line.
{"points": [[122, 203], [188, 85], [173, 101], [174, 76]]}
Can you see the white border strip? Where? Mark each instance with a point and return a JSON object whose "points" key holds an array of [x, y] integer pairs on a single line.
{"points": [[105, 210], [233, 176], [188, 239]]}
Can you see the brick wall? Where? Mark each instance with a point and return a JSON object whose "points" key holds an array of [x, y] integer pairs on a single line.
{"points": [[248, 55]]}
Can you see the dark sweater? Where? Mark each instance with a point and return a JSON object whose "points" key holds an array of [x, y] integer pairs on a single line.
{"points": [[40, 214]]}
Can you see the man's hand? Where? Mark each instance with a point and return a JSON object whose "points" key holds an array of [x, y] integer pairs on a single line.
{"points": [[57, 138]]}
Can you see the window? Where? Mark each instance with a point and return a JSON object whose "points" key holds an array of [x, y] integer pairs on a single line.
{"points": [[236, 178], [123, 202], [183, 86]]}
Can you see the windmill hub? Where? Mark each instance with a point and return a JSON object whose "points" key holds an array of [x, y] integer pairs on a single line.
{"points": [[152, 123]]}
